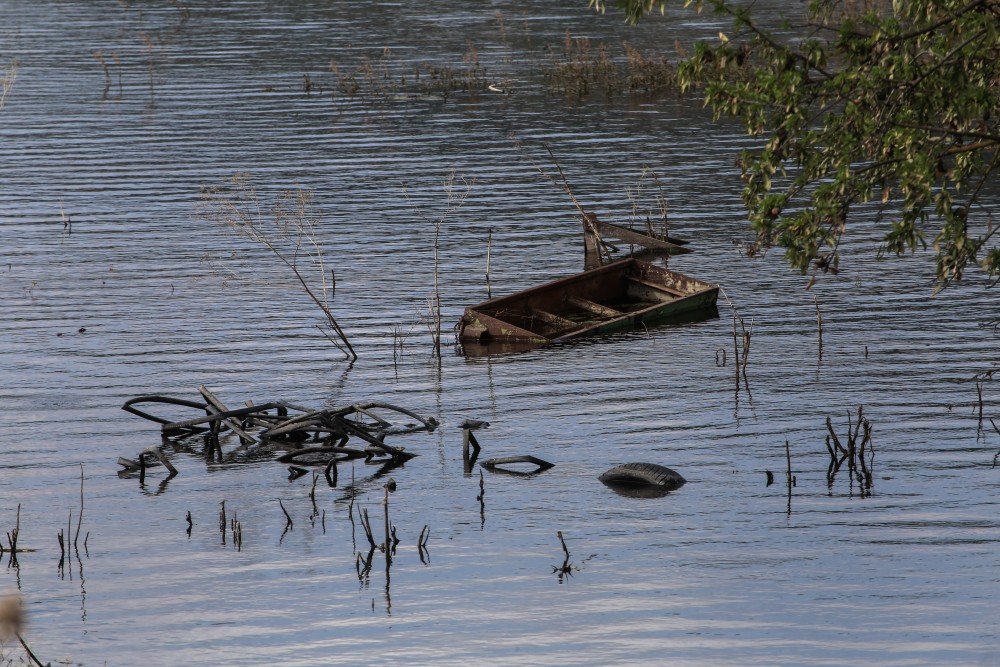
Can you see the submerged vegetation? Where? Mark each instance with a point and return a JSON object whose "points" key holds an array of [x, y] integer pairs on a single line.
{"points": [[578, 68], [383, 79], [581, 69]]}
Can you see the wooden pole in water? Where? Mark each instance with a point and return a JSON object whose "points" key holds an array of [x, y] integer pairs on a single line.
{"points": [[489, 248], [788, 474], [819, 327], [79, 518]]}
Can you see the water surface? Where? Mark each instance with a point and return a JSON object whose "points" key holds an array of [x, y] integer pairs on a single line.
{"points": [[719, 572]]}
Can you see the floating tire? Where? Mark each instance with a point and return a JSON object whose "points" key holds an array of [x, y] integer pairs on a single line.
{"points": [[643, 475]]}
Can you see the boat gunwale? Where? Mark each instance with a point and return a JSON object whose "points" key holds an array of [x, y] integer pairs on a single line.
{"points": [[621, 264]]}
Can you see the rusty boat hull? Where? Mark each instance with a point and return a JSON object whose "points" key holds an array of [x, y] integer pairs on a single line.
{"points": [[624, 295]]}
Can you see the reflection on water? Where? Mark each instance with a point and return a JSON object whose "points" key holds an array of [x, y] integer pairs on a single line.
{"points": [[145, 296]]}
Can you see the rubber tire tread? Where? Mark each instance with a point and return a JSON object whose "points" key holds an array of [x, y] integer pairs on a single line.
{"points": [[643, 474]]}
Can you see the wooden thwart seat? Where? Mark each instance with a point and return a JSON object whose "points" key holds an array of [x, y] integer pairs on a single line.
{"points": [[553, 320], [593, 307]]}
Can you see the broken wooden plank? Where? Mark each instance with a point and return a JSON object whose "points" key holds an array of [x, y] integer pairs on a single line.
{"points": [[217, 407]]}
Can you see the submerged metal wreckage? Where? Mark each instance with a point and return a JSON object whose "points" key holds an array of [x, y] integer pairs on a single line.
{"points": [[309, 437]]}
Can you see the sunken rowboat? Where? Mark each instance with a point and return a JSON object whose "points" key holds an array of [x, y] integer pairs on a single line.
{"points": [[618, 296]]}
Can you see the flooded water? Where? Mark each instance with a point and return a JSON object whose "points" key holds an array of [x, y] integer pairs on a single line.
{"points": [[143, 294]]}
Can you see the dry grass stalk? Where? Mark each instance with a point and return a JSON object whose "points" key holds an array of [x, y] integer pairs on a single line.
{"points": [[455, 200], [287, 228], [7, 82], [634, 195], [79, 519], [747, 336], [819, 326]]}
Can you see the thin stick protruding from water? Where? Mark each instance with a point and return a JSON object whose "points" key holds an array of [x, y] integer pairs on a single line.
{"points": [[79, 518], [740, 360], [489, 249], [386, 507], [288, 517], [788, 474], [819, 325]]}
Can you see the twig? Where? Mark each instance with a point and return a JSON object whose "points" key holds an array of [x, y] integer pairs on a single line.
{"points": [[746, 351], [489, 248], [979, 390], [79, 518], [27, 649], [385, 504], [566, 569], [788, 474], [482, 499], [331, 472], [363, 514], [819, 325], [241, 211], [288, 517], [997, 429]]}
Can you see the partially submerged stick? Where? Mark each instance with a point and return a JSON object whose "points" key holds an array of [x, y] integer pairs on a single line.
{"points": [[819, 326], [288, 517], [79, 519]]}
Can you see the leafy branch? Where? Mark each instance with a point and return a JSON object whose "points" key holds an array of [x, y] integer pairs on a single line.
{"points": [[893, 106]]}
